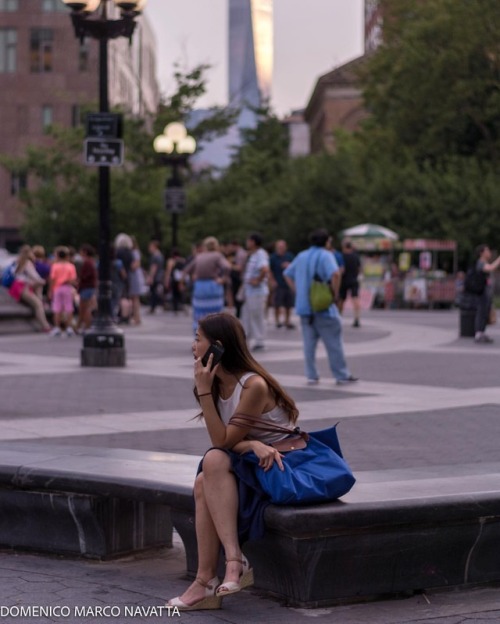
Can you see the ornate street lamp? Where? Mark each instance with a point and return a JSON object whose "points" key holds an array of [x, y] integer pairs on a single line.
{"points": [[175, 146], [104, 344]]}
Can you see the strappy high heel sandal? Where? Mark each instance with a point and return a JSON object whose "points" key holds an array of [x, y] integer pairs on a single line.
{"points": [[246, 579], [211, 600]]}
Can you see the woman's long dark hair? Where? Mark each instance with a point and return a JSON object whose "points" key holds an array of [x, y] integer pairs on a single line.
{"points": [[237, 359]]}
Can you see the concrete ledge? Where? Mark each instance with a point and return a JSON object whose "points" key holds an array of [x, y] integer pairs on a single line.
{"points": [[15, 318], [75, 524], [397, 531], [363, 548], [91, 502]]}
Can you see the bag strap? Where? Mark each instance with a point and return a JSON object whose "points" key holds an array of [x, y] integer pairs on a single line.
{"points": [[316, 263], [243, 420]]}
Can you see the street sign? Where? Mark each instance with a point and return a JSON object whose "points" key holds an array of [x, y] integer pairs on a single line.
{"points": [[104, 125], [175, 200], [103, 153]]}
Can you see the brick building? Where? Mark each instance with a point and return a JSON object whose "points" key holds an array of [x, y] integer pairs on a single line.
{"points": [[337, 100], [47, 76]]}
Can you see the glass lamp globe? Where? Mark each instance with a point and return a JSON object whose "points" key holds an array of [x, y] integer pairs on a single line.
{"points": [[163, 144], [176, 131], [187, 145], [87, 6], [130, 5]]}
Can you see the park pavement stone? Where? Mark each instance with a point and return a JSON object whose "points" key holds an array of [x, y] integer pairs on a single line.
{"points": [[426, 399]]}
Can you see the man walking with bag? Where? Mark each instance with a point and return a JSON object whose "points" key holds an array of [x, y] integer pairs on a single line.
{"points": [[316, 263]]}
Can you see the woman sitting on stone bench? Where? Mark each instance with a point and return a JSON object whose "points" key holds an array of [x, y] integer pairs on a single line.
{"points": [[25, 281], [229, 512]]}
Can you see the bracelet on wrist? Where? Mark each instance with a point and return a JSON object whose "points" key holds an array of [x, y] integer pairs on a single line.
{"points": [[205, 394]]}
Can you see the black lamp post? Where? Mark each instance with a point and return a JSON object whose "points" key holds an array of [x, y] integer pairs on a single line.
{"points": [[175, 147], [104, 344]]}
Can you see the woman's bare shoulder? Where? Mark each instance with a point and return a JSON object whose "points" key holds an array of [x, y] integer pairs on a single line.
{"points": [[256, 382]]}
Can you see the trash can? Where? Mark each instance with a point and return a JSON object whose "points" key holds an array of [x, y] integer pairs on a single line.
{"points": [[467, 323]]}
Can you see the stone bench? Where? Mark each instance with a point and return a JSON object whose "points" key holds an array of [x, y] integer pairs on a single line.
{"points": [[92, 502], [396, 532], [15, 317]]}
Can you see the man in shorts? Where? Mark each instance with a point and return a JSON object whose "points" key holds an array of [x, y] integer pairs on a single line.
{"points": [[350, 280]]}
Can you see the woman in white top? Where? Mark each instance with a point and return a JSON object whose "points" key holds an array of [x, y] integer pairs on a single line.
{"points": [[237, 385]]}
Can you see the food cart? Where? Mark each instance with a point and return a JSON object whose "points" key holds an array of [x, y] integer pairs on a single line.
{"points": [[411, 273], [375, 245], [427, 269]]}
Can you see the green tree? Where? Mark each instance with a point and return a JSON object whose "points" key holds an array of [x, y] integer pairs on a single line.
{"points": [[425, 161], [434, 86]]}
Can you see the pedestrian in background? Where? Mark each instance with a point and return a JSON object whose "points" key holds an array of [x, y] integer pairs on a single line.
{"points": [[325, 325], [477, 283], [26, 280], [256, 291], [42, 266], [136, 282], [123, 252], [62, 284], [283, 297], [208, 271], [119, 283], [237, 257], [87, 287], [349, 283], [173, 279], [155, 276]]}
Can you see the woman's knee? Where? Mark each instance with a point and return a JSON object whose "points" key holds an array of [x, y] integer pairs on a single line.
{"points": [[216, 461], [198, 487]]}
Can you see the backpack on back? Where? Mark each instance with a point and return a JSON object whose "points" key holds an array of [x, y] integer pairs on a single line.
{"points": [[8, 275], [475, 281]]}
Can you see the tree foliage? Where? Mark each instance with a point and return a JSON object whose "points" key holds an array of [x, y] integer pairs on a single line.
{"points": [[434, 86]]}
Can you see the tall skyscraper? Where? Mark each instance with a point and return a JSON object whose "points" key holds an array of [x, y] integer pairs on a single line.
{"points": [[250, 54]]}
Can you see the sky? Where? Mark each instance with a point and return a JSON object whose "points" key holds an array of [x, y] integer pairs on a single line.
{"points": [[311, 37]]}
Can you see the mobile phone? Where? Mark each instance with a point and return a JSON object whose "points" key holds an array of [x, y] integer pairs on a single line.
{"points": [[218, 350]]}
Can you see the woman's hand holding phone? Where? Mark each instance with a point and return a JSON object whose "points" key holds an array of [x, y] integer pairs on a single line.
{"points": [[204, 368]]}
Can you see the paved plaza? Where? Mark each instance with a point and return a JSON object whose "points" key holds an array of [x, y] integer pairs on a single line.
{"points": [[426, 401]]}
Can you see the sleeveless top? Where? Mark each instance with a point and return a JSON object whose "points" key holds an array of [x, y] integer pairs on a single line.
{"points": [[277, 416]]}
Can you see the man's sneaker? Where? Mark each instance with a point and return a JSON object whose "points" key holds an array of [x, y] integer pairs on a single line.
{"points": [[483, 339], [55, 331], [70, 332], [356, 323], [312, 382], [348, 380]]}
